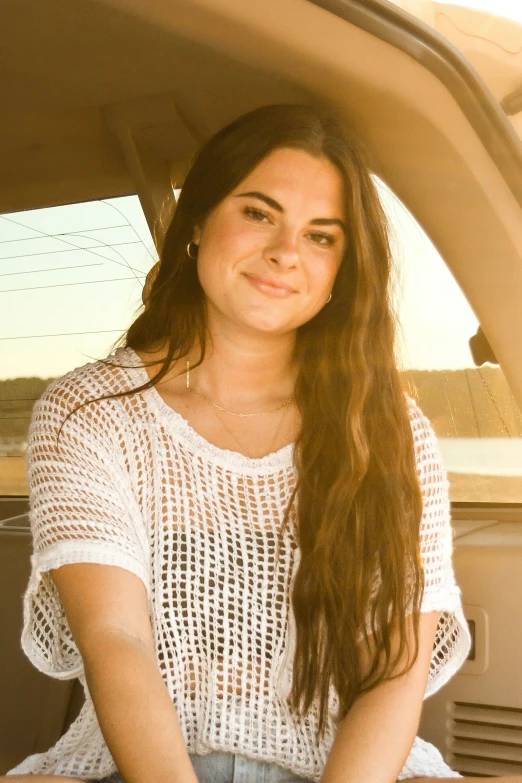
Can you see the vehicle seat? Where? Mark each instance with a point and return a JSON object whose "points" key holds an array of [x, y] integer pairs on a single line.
{"points": [[36, 709]]}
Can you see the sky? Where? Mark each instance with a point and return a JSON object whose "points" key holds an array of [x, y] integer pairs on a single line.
{"points": [[70, 283]]}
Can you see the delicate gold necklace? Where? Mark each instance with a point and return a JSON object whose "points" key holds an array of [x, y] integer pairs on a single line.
{"points": [[241, 445], [224, 410]]}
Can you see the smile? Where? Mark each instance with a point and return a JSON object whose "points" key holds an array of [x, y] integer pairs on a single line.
{"points": [[269, 287]]}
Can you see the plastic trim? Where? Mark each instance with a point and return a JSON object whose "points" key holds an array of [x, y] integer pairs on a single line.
{"points": [[403, 31]]}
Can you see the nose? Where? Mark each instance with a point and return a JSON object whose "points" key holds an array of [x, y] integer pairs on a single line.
{"points": [[283, 250]]}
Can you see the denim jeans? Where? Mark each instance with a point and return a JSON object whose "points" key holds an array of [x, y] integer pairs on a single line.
{"points": [[217, 767], [233, 768]]}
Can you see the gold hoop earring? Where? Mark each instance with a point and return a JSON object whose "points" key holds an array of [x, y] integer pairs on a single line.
{"points": [[189, 247], [329, 299]]}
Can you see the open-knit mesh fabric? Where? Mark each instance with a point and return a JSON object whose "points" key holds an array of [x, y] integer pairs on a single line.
{"points": [[129, 483]]}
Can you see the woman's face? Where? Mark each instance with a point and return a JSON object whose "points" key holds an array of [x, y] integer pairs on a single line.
{"points": [[269, 252]]}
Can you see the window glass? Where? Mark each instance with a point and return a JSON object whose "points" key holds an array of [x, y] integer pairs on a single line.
{"points": [[471, 408], [70, 283]]}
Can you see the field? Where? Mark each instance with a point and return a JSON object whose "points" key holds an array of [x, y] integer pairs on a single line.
{"points": [[13, 479]]}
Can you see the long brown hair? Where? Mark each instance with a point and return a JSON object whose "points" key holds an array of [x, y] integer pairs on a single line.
{"points": [[359, 503]]}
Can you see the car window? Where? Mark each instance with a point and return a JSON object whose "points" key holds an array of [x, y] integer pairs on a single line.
{"points": [[471, 408], [70, 283]]}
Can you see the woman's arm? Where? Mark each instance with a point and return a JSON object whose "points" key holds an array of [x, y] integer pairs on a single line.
{"points": [[375, 738], [107, 610]]}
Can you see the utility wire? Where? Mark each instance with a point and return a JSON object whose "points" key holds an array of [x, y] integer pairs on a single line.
{"points": [[90, 230], [111, 247], [112, 206], [85, 249], [72, 248], [63, 334], [51, 269], [61, 285], [62, 234]]}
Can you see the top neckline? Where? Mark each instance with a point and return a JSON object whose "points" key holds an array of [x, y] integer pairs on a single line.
{"points": [[283, 457]]}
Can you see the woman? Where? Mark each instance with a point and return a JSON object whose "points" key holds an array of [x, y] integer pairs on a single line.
{"points": [[242, 537]]}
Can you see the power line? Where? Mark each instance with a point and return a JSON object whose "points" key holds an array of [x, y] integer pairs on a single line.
{"points": [[72, 248], [90, 230], [111, 247], [52, 269], [64, 334], [52, 236], [112, 206], [85, 249], [62, 285]]}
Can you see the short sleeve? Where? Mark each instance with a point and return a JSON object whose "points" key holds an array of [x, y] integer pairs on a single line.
{"points": [[441, 592], [82, 510]]}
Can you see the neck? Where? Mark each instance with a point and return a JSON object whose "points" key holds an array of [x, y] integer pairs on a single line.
{"points": [[245, 371]]}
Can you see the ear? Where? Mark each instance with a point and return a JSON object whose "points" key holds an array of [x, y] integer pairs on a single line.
{"points": [[196, 235]]}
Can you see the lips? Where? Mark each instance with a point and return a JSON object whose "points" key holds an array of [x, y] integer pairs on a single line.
{"points": [[270, 286]]}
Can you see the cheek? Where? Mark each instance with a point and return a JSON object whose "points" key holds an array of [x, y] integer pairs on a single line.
{"points": [[322, 274], [219, 253], [226, 235], [210, 274]]}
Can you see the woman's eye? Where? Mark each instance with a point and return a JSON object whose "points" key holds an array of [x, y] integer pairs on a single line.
{"points": [[256, 214], [326, 240]]}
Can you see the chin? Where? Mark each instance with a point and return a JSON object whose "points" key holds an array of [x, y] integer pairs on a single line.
{"points": [[268, 326]]}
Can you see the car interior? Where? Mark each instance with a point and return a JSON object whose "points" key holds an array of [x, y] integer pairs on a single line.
{"points": [[111, 98]]}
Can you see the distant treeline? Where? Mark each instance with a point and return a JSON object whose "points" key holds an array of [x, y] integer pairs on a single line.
{"points": [[17, 398], [459, 403]]}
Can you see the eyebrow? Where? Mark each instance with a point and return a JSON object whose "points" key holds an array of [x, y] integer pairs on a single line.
{"points": [[275, 205]]}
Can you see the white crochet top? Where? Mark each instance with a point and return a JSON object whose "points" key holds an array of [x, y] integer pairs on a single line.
{"points": [[133, 485]]}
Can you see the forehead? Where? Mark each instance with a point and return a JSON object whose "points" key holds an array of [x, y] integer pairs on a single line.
{"points": [[293, 172]]}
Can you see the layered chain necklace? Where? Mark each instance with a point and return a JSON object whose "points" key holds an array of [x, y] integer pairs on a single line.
{"points": [[216, 408]]}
